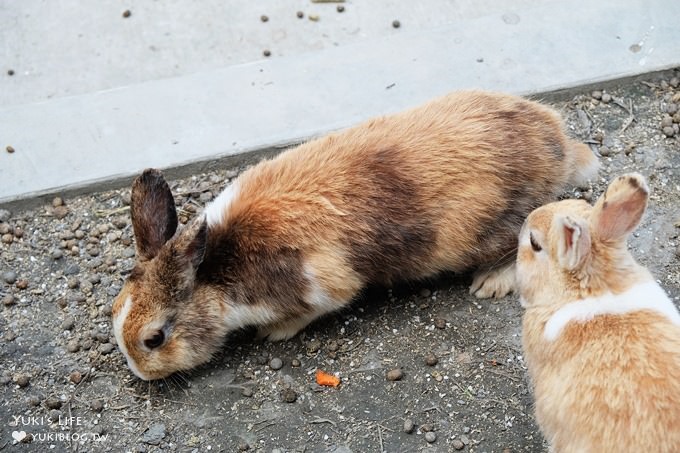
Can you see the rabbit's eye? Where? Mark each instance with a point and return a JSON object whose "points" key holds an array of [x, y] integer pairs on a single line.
{"points": [[534, 245], [155, 340]]}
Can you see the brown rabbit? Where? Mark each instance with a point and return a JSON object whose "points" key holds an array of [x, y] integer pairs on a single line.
{"points": [[445, 186], [601, 338]]}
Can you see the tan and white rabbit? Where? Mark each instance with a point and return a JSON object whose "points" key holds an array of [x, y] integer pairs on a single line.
{"points": [[601, 338], [445, 186]]}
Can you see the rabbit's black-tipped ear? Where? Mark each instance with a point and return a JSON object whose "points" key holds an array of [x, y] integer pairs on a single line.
{"points": [[619, 211], [152, 208]]}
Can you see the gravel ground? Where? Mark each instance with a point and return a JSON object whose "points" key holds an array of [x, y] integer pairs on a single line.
{"points": [[424, 366]]}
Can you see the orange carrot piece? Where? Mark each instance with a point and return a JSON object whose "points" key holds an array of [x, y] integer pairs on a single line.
{"points": [[323, 378]]}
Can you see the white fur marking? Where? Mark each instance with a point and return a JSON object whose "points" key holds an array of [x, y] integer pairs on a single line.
{"points": [[316, 296], [216, 209], [118, 323], [240, 315], [646, 296]]}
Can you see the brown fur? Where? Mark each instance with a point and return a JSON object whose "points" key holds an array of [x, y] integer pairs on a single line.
{"points": [[445, 186], [611, 383]]}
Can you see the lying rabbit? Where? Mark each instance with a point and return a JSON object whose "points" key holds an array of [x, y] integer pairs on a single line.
{"points": [[445, 186], [601, 338]]}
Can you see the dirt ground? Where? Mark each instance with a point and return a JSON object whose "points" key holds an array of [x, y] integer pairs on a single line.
{"points": [[64, 383]]}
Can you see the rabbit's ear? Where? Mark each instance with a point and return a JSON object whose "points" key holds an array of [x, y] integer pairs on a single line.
{"points": [[154, 218], [619, 211], [573, 241], [190, 242]]}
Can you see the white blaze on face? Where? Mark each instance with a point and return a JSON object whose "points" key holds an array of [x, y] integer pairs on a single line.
{"points": [[118, 324]]}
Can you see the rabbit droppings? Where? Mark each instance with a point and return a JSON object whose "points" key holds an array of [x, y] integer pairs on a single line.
{"points": [[445, 186], [601, 338]]}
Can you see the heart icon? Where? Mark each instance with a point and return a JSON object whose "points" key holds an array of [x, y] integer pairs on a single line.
{"points": [[19, 435]]}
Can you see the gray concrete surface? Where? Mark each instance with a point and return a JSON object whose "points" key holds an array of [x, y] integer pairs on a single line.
{"points": [[68, 47], [83, 141]]}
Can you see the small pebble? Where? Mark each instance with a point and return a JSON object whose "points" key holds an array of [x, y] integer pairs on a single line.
{"points": [[295, 363], [10, 149], [86, 286], [97, 405], [33, 401], [430, 437], [606, 98], [55, 415], [60, 212], [127, 13], [264, 18], [72, 283], [300, 14], [427, 427], [464, 439], [154, 434], [674, 82], [75, 377], [396, 24], [5, 215], [266, 53], [22, 284], [68, 324], [313, 17], [22, 380], [247, 392], [106, 348], [395, 374], [588, 195], [408, 426], [243, 446], [457, 444], [57, 201], [101, 337], [431, 359], [605, 151], [5, 379], [10, 72], [7, 238], [440, 323], [275, 363], [667, 131], [340, 8], [313, 346], [288, 395], [57, 254], [425, 292], [597, 94], [671, 109], [8, 300], [9, 277], [53, 403], [333, 346], [667, 121], [18, 233]]}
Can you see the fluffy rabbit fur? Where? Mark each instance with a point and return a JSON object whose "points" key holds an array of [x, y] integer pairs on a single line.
{"points": [[601, 338], [445, 186]]}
